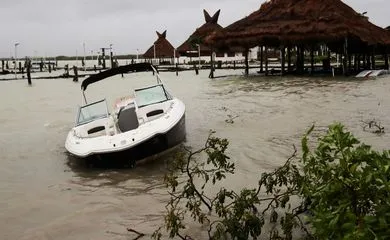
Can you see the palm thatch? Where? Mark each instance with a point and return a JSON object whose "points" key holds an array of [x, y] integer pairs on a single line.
{"points": [[190, 46], [162, 47], [303, 22]]}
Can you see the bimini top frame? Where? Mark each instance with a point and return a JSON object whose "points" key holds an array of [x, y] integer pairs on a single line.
{"points": [[138, 67]]}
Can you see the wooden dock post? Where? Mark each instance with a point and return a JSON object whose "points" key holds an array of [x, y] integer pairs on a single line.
{"points": [[234, 65], [196, 70], [49, 67], [2, 64], [112, 60], [177, 69], [104, 58], [94, 67], [20, 66], [28, 65], [66, 68], [6, 65], [41, 65], [386, 61], [76, 76]]}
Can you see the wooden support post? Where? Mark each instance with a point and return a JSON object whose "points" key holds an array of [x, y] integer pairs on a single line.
{"points": [[94, 68], [6, 65], [373, 59], [349, 62], [234, 65], [364, 61], [211, 75], [312, 60], [266, 60], [345, 59], [358, 62], [49, 67], [28, 72], [283, 52], [76, 75], [246, 62], [355, 62], [261, 58], [177, 69], [289, 59], [41, 65], [386, 61], [300, 60], [20, 66], [2, 64], [196, 70], [302, 52]]}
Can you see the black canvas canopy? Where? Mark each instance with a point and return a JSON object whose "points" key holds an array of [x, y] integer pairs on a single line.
{"points": [[138, 67]]}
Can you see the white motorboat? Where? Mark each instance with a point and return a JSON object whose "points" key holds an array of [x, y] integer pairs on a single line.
{"points": [[146, 123]]}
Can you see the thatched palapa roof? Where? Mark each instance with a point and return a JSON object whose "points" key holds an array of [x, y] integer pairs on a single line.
{"points": [[199, 35], [164, 48], [302, 22]]}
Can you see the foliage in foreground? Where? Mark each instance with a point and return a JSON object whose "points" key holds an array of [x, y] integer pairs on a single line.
{"points": [[341, 190]]}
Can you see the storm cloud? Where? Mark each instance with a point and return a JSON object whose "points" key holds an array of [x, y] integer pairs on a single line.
{"points": [[49, 28]]}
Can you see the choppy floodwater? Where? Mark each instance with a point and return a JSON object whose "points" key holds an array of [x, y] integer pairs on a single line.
{"points": [[45, 195]]}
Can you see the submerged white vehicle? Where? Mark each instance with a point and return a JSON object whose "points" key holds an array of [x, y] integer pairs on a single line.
{"points": [[373, 73], [148, 122]]}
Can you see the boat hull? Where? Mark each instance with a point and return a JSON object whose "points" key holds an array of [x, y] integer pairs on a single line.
{"points": [[150, 147]]}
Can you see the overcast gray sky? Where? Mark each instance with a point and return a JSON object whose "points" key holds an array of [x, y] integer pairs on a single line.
{"points": [[54, 27]]}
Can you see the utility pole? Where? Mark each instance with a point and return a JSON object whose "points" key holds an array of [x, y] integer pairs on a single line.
{"points": [[84, 56]]}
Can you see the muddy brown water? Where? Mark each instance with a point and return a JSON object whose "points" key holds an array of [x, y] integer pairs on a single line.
{"points": [[45, 194]]}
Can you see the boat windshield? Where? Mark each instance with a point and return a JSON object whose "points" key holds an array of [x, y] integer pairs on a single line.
{"points": [[151, 95], [91, 112]]}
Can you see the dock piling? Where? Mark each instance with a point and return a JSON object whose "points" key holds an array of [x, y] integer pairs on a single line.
{"points": [[66, 68], [104, 58], [28, 65], [76, 76]]}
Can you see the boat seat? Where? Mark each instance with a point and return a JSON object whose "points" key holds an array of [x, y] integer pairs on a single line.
{"points": [[127, 118]]}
